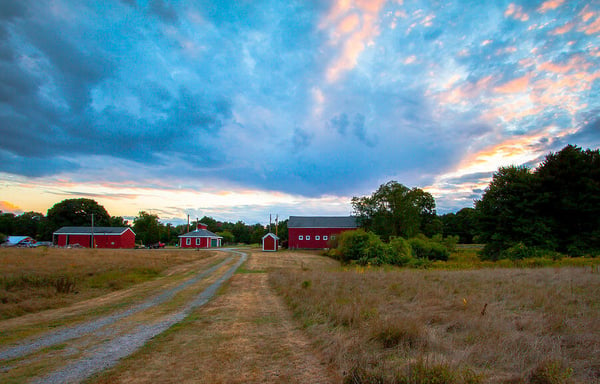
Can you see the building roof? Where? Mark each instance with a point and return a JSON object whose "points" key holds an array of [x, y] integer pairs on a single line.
{"points": [[201, 233], [271, 235], [322, 222], [88, 231]]}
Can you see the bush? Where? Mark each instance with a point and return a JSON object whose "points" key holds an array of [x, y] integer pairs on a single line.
{"points": [[400, 252], [360, 246], [428, 249]]}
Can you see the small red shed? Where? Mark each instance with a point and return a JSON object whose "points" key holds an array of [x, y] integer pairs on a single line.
{"points": [[314, 232], [200, 238], [103, 237], [270, 242]]}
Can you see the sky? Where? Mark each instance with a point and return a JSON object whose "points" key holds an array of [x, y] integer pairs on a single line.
{"points": [[241, 109]]}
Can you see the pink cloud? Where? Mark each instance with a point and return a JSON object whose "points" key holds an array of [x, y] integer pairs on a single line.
{"points": [[550, 5], [563, 29], [514, 86], [354, 25], [516, 12]]}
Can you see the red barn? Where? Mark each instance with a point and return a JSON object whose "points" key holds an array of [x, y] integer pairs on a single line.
{"points": [[104, 237], [200, 238], [270, 242], [314, 232]]}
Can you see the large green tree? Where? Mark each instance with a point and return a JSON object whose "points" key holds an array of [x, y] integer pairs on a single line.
{"points": [[554, 207], [395, 210], [77, 212], [146, 228]]}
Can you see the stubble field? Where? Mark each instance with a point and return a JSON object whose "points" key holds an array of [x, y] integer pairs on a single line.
{"points": [[299, 317]]}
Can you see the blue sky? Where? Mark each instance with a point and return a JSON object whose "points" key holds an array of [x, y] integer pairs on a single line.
{"points": [[240, 109]]}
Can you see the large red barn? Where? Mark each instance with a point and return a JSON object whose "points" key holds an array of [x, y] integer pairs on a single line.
{"points": [[104, 237], [314, 232], [200, 238]]}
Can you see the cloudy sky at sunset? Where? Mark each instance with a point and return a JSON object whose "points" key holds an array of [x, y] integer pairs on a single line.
{"points": [[238, 109]]}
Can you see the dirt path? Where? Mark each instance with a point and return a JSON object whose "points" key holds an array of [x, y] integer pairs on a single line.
{"points": [[73, 353], [173, 334], [245, 335]]}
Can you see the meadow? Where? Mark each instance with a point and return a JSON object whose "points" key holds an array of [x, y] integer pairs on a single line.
{"points": [[473, 324], [32, 280]]}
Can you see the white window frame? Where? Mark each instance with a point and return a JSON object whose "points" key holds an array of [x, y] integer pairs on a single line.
{"points": [[188, 241], [197, 241], [307, 237], [324, 237], [300, 237], [317, 237]]}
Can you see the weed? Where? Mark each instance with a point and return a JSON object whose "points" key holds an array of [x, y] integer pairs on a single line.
{"points": [[551, 372]]}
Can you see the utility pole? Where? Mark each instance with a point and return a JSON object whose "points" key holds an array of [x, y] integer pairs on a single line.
{"points": [[276, 223], [92, 245], [188, 227]]}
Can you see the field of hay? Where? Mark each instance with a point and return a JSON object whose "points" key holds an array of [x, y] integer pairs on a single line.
{"points": [[35, 279], [470, 326]]}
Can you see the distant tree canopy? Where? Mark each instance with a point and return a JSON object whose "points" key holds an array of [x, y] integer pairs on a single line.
{"points": [[146, 228], [396, 210], [554, 207], [77, 212]]}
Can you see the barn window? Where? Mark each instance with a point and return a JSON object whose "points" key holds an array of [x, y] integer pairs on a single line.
{"points": [[325, 237], [317, 237], [307, 237], [197, 241], [188, 241], [300, 237]]}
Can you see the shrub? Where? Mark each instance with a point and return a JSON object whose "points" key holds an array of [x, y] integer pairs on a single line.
{"points": [[400, 252], [428, 249], [360, 246]]}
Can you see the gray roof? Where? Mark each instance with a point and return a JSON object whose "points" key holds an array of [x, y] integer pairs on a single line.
{"points": [[322, 222], [271, 235], [201, 233], [88, 230]]}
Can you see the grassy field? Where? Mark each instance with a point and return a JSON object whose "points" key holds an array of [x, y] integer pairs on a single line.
{"points": [[438, 326], [32, 280]]}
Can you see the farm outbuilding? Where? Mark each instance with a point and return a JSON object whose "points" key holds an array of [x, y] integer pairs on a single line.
{"points": [[270, 242], [103, 237], [200, 238], [315, 232]]}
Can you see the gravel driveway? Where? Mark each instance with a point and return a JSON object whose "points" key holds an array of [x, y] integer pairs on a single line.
{"points": [[100, 343]]}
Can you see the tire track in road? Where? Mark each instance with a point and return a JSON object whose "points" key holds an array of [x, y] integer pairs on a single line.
{"points": [[27, 347], [110, 352]]}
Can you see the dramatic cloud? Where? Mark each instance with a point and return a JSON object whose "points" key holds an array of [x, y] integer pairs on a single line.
{"points": [[306, 100]]}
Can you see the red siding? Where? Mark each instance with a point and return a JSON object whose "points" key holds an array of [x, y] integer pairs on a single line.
{"points": [[125, 240], [204, 242], [295, 233], [269, 243]]}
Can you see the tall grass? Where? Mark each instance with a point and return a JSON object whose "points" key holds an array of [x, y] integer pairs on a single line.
{"points": [[36, 279], [438, 326]]}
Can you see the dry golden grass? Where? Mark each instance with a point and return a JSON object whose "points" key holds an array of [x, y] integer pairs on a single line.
{"points": [[32, 280], [489, 325], [245, 335]]}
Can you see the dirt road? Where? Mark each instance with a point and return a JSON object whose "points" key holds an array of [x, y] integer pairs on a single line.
{"points": [[244, 335]]}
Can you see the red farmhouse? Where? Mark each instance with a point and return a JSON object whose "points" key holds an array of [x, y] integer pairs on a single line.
{"points": [[270, 242], [200, 238], [104, 237], [314, 232]]}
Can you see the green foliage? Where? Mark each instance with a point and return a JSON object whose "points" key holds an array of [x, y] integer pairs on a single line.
{"points": [[77, 212], [146, 228], [359, 245], [395, 210], [556, 207], [227, 236], [425, 248], [401, 252]]}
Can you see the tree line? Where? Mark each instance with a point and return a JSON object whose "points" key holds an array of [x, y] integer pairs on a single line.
{"points": [[522, 213], [147, 226]]}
